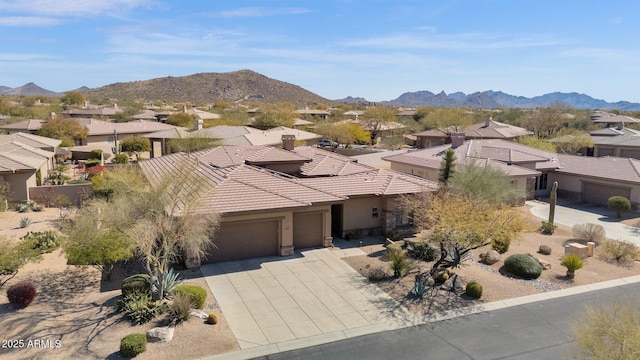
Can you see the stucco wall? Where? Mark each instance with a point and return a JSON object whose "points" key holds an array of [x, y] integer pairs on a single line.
{"points": [[20, 183], [423, 172], [49, 195], [572, 186], [358, 213]]}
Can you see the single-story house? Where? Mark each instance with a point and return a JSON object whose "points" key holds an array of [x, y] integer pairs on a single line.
{"points": [[91, 111], [274, 200], [488, 129], [246, 135], [528, 167], [22, 157], [30, 126]]}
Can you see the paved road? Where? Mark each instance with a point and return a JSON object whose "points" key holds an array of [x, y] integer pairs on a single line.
{"points": [[571, 213], [537, 330]]}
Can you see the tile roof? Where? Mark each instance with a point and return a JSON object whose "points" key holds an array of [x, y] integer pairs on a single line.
{"points": [[26, 125], [622, 140], [99, 127], [604, 168], [16, 156], [327, 163], [245, 135], [175, 133], [616, 119], [377, 182], [229, 155], [612, 131], [494, 149], [35, 141], [494, 130]]}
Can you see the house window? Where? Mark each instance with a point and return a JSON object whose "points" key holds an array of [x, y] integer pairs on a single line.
{"points": [[375, 213], [110, 139], [541, 182]]}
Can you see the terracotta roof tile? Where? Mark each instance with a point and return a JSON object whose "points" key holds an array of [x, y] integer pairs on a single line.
{"points": [[327, 163], [605, 168]]}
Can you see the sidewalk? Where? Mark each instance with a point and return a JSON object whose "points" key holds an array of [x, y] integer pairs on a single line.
{"points": [[573, 213]]}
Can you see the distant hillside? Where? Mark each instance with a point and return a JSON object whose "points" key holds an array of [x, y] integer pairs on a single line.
{"points": [[497, 99], [29, 89], [231, 86]]}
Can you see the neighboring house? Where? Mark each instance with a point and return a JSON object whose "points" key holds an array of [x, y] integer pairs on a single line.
{"points": [[108, 112], [26, 126], [527, 167], [487, 130], [22, 157], [319, 114], [246, 135], [612, 120], [274, 201], [626, 146], [161, 140]]}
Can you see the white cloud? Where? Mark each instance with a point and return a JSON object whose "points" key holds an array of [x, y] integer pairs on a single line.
{"points": [[18, 57], [28, 21], [69, 7], [261, 12]]}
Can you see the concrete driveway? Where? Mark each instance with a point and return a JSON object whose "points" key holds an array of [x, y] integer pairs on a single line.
{"points": [[310, 298], [571, 213]]}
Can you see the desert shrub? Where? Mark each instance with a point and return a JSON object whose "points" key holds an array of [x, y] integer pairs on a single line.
{"points": [[619, 204], [589, 232], [212, 318], [377, 273], [422, 251], [197, 294], [393, 248], [120, 159], [179, 310], [96, 154], [21, 294], [133, 345], [621, 252], [523, 265], [22, 208], [92, 162], [393, 235], [572, 262], [42, 241], [420, 285], [399, 263], [548, 228], [24, 222], [473, 290], [139, 307], [138, 283], [500, 244]]}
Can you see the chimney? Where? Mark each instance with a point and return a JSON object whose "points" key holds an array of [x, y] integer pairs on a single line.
{"points": [[197, 124], [457, 139], [488, 121], [52, 115], [288, 142]]}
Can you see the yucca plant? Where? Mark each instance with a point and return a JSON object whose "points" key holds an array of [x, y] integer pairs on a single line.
{"points": [[399, 263], [572, 263], [24, 222]]}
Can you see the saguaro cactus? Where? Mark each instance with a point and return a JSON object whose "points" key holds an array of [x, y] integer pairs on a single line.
{"points": [[552, 202]]}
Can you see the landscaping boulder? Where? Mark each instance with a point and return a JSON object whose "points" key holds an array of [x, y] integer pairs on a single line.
{"points": [[545, 264], [490, 257], [544, 250], [160, 334], [388, 242], [198, 313]]}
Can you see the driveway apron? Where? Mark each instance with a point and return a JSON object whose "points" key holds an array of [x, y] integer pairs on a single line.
{"points": [[312, 293]]}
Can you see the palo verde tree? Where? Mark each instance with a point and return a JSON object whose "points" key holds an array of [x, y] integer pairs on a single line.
{"points": [[73, 98], [273, 115], [66, 129], [13, 255], [136, 145], [479, 179], [193, 142], [376, 118], [344, 133]]}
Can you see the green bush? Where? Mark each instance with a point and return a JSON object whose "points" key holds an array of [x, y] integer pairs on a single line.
{"points": [[43, 241], [133, 345], [138, 283], [393, 248], [197, 294], [619, 204], [139, 308], [548, 228], [442, 276], [473, 290], [523, 265], [422, 251], [91, 163], [500, 244], [120, 159], [96, 154]]}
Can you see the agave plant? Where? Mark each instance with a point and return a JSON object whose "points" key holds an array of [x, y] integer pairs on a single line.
{"points": [[170, 281], [24, 222]]}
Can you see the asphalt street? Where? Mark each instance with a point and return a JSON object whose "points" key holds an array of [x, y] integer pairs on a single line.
{"points": [[538, 330]]}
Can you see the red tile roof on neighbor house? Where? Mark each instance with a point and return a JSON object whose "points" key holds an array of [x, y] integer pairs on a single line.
{"points": [[241, 187], [604, 168]]}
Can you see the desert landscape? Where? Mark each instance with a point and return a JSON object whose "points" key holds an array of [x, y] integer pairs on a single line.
{"points": [[76, 308]]}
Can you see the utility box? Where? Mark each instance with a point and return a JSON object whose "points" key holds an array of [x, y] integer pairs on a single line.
{"points": [[576, 249]]}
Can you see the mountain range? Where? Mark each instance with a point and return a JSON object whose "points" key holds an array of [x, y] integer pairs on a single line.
{"points": [[247, 84]]}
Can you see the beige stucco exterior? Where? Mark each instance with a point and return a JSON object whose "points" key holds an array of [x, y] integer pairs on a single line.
{"points": [[572, 186]]}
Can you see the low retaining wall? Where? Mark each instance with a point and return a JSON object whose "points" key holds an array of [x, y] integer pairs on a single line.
{"points": [[60, 195]]}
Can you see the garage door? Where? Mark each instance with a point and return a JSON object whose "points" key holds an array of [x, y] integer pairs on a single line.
{"points": [[307, 230], [599, 193], [244, 240]]}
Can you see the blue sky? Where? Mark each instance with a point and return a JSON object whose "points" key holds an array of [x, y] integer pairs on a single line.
{"points": [[375, 49]]}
